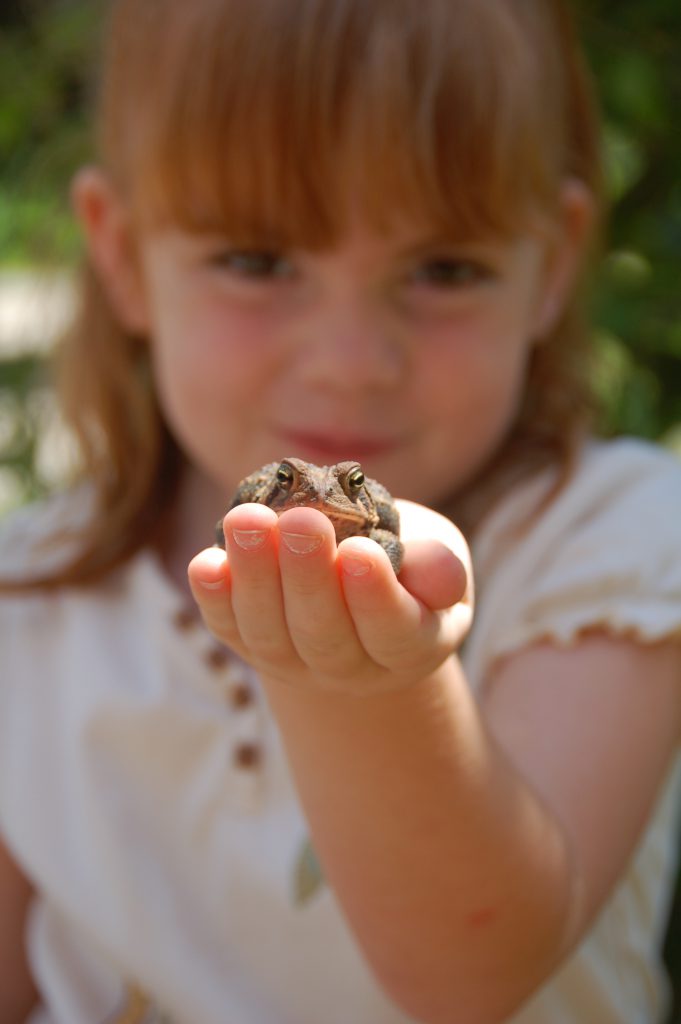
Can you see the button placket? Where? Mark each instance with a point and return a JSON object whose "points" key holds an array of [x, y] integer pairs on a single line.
{"points": [[186, 618], [236, 685]]}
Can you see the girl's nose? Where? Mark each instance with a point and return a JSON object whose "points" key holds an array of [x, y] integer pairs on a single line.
{"points": [[353, 348]]}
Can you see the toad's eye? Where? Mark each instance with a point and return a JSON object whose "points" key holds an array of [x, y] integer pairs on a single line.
{"points": [[285, 476], [355, 479]]}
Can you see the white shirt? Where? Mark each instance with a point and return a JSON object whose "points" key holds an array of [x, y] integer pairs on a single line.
{"points": [[144, 788]]}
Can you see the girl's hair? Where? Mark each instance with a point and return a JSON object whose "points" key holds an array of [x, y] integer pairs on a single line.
{"points": [[266, 119]]}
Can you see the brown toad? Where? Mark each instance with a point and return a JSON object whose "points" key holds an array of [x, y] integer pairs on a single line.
{"points": [[355, 504]]}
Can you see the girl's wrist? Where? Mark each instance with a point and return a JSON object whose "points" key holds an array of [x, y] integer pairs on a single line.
{"points": [[405, 695]]}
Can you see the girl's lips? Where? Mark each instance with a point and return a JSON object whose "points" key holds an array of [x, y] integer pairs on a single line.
{"points": [[335, 447]]}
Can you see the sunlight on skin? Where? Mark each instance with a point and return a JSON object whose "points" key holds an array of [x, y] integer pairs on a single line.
{"points": [[436, 572], [429, 571], [436, 567]]}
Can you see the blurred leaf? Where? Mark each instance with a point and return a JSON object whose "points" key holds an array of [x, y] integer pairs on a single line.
{"points": [[308, 878], [624, 161], [632, 81]]}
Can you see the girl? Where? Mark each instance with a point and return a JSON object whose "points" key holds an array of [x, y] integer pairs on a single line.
{"points": [[340, 229]]}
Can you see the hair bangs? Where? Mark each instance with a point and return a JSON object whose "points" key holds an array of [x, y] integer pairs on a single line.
{"points": [[291, 119]]}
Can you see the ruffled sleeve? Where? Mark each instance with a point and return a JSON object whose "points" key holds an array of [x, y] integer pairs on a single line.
{"points": [[606, 553]]}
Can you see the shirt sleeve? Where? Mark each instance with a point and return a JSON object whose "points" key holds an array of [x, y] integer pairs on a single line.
{"points": [[606, 553]]}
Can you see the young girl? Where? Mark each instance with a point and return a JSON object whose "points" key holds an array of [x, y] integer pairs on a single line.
{"points": [[340, 229]]}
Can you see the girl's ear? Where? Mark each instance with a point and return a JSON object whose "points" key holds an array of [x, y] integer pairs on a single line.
{"points": [[106, 224], [566, 253]]}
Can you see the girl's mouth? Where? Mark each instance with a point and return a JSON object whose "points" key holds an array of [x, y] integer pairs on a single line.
{"points": [[330, 447]]}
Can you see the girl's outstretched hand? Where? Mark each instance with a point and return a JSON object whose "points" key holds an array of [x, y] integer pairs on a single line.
{"points": [[308, 613]]}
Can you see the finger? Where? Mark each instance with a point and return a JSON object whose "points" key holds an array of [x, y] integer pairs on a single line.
{"points": [[210, 583], [419, 523], [252, 542], [395, 628], [433, 573], [208, 573], [320, 626]]}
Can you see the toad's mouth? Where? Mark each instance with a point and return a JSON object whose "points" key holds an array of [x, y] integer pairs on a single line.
{"points": [[350, 516]]}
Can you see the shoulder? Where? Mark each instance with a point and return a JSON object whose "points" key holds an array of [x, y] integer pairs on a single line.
{"points": [[44, 534], [623, 470], [623, 491], [612, 481], [602, 554], [43, 624], [64, 649]]}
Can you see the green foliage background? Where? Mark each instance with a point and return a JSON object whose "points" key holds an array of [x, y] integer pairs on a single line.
{"points": [[635, 51], [46, 57], [48, 54]]}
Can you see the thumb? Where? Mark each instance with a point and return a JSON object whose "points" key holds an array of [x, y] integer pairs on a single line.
{"points": [[433, 573], [437, 562]]}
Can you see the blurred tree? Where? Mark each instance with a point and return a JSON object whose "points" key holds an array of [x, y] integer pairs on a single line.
{"points": [[634, 50], [46, 54]]}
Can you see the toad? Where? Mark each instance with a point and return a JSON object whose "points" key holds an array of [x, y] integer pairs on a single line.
{"points": [[355, 504]]}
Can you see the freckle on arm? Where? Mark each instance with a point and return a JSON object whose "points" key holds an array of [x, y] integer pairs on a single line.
{"points": [[481, 917]]}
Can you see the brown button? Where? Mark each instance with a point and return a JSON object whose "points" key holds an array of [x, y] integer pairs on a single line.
{"points": [[217, 658], [247, 756], [186, 618], [241, 696]]}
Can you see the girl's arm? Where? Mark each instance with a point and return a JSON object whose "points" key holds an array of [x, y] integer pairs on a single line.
{"points": [[18, 994], [470, 848], [469, 845]]}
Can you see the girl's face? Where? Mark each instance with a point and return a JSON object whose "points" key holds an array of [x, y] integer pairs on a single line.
{"points": [[406, 352]]}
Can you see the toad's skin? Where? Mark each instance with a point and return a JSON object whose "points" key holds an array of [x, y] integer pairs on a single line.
{"points": [[354, 504]]}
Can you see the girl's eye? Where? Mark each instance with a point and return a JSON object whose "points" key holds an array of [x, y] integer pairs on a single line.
{"points": [[254, 264], [450, 272]]}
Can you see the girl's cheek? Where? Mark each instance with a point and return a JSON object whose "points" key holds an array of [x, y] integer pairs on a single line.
{"points": [[213, 339]]}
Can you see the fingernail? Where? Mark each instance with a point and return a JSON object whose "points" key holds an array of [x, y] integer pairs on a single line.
{"points": [[302, 543], [212, 584], [354, 565], [250, 540]]}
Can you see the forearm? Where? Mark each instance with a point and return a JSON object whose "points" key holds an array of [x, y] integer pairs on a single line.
{"points": [[448, 868]]}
